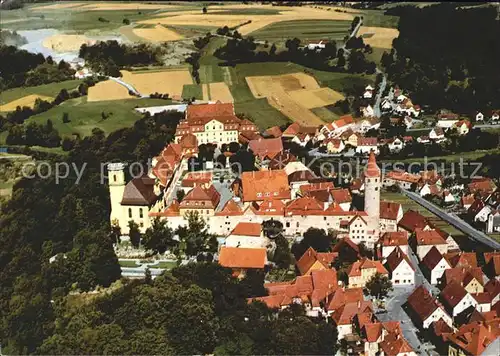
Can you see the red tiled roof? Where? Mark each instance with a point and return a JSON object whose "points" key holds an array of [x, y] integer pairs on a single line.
{"points": [[188, 141], [372, 170], [395, 258], [345, 242], [367, 141], [412, 220], [473, 338], [492, 260], [394, 238], [403, 176], [171, 210], [422, 302], [493, 287], [247, 229], [341, 297], [365, 263], [210, 110], [432, 258], [200, 198], [343, 121], [230, 209], [463, 275], [274, 131], [482, 298], [237, 257], [453, 294], [345, 314], [269, 207], [265, 185], [197, 178], [428, 237], [305, 188], [389, 210], [310, 257], [393, 345], [461, 259], [373, 331], [269, 147], [486, 185], [341, 196], [139, 191], [304, 206]]}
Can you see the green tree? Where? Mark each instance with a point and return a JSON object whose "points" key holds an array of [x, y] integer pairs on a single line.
{"points": [[379, 286], [65, 118], [282, 255], [159, 237], [134, 233], [194, 238]]}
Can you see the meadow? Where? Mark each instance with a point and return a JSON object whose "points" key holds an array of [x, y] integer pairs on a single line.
{"points": [[85, 116]]}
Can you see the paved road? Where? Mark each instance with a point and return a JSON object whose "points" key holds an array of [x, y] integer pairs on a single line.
{"points": [[454, 220], [483, 126], [378, 96]]}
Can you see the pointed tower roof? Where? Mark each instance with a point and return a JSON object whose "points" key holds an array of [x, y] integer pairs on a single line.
{"points": [[372, 170]]}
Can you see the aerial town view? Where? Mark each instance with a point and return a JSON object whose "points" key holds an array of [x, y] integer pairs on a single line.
{"points": [[249, 178]]}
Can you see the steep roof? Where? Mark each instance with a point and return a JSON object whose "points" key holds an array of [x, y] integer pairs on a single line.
{"points": [[461, 259], [422, 302], [395, 258], [266, 147], [196, 178], [365, 263], [247, 229], [389, 210], [281, 160], [268, 207], [265, 185], [341, 196], [452, 294], [274, 131], [210, 110], [343, 296], [372, 170], [473, 338], [432, 258], [310, 257], [238, 257], [394, 238], [201, 198], [412, 220], [464, 275], [139, 191], [230, 209], [395, 344], [345, 314], [428, 237], [304, 206]]}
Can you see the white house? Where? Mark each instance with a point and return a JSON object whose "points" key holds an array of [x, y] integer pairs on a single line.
{"points": [[395, 145], [368, 111], [480, 117], [400, 268], [493, 224], [386, 105], [436, 134], [456, 299], [319, 45], [247, 235], [495, 117], [368, 94], [426, 309], [434, 265], [425, 240], [366, 145]]}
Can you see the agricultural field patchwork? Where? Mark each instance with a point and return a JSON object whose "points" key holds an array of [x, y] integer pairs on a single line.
{"points": [[217, 91], [28, 100], [108, 90], [305, 30], [294, 94], [157, 34], [380, 37], [170, 81]]}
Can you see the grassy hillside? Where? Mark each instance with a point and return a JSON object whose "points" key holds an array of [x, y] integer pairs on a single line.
{"points": [[51, 90]]}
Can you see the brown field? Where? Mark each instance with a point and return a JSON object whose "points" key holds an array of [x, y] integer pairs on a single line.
{"points": [[316, 97], [218, 91], [382, 37], [24, 101], [157, 34], [258, 21], [126, 6], [66, 43], [108, 90], [293, 95], [59, 6], [170, 82]]}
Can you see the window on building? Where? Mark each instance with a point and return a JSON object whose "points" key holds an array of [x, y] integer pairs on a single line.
{"points": [[288, 224], [140, 213], [130, 212], [114, 177]]}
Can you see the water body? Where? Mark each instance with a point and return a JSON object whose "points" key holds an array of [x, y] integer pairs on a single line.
{"points": [[35, 40]]}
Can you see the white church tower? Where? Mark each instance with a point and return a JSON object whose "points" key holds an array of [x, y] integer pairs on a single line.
{"points": [[116, 181], [372, 193]]}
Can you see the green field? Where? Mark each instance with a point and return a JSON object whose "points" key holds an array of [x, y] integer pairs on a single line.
{"points": [[84, 116], [192, 90], [263, 114], [165, 265], [51, 89], [305, 30], [250, 11], [408, 204], [325, 114], [376, 18], [128, 263]]}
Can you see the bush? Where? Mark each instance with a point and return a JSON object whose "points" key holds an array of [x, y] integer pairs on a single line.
{"points": [[126, 21]]}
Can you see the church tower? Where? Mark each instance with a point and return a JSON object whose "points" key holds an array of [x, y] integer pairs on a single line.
{"points": [[372, 192], [116, 181]]}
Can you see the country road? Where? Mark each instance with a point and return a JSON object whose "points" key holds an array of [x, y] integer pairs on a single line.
{"points": [[378, 96], [127, 85], [455, 221]]}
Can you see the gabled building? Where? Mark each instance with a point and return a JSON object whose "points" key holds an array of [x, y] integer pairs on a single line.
{"points": [[456, 299], [391, 241], [401, 270], [367, 145], [473, 339], [434, 265], [201, 200], [363, 270], [471, 278], [390, 215], [402, 179], [425, 310], [264, 185], [266, 148], [242, 259], [314, 261], [247, 235], [424, 240]]}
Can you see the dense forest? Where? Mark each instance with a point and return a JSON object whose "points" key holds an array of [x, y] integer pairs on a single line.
{"points": [[447, 57], [108, 57], [19, 67]]}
